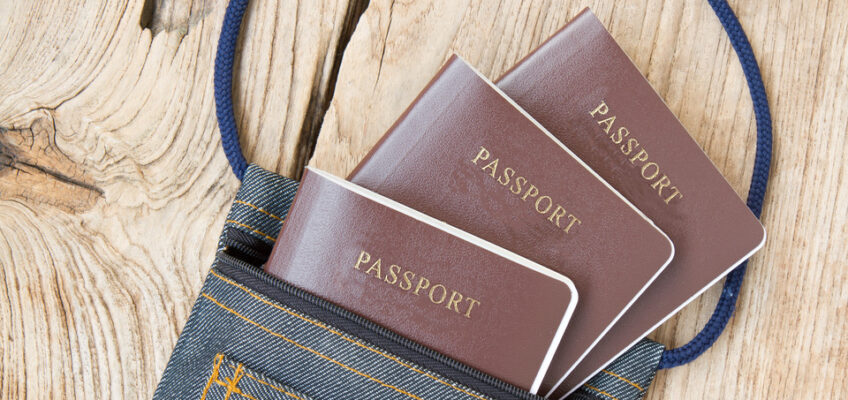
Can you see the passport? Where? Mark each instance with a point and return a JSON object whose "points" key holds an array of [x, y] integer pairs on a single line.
{"points": [[465, 153], [444, 288], [581, 86]]}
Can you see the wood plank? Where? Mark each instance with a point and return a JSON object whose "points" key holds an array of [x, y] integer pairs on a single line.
{"points": [[113, 186], [792, 310]]}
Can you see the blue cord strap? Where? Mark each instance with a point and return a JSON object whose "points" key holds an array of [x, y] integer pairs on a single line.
{"points": [[756, 192], [727, 302], [224, 86]]}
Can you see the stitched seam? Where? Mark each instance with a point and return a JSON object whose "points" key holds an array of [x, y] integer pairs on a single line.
{"points": [[235, 390], [255, 207], [343, 336], [232, 384], [275, 387], [252, 229], [298, 345], [601, 391], [219, 358], [623, 379]]}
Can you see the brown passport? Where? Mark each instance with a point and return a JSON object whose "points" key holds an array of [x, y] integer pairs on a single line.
{"points": [[435, 284], [466, 154], [583, 88]]}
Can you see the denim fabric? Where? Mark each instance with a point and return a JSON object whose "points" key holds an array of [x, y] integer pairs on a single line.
{"points": [[241, 341], [626, 378], [261, 204]]}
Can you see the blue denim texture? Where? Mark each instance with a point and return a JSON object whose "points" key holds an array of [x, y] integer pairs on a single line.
{"points": [[628, 377], [261, 204]]}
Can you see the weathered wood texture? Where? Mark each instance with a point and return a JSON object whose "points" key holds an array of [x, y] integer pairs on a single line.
{"points": [[113, 188]]}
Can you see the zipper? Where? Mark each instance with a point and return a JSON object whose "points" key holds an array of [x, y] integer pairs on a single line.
{"points": [[243, 246], [239, 270]]}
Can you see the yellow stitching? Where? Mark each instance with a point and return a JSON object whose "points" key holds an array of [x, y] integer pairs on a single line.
{"points": [[260, 210], [218, 359], [279, 389], [296, 344], [601, 392], [321, 325], [252, 229], [232, 384], [623, 379], [235, 390]]}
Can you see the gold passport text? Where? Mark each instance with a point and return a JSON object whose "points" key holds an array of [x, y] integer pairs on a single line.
{"points": [[637, 155], [407, 281], [521, 187]]}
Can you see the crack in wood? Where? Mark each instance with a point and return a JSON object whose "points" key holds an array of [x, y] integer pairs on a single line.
{"points": [[319, 103], [172, 15], [383, 50], [14, 164], [32, 168]]}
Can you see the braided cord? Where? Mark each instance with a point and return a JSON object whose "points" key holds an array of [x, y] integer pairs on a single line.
{"points": [[756, 192], [224, 86]]}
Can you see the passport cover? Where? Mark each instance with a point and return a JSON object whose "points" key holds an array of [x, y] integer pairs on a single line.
{"points": [[581, 86], [466, 154], [441, 287]]}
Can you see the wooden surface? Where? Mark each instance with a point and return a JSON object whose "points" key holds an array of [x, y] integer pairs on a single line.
{"points": [[113, 188]]}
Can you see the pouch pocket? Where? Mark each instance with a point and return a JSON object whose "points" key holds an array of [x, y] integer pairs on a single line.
{"points": [[306, 345], [245, 321]]}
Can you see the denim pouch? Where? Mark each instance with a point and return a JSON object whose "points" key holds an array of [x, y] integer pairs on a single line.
{"points": [[253, 336]]}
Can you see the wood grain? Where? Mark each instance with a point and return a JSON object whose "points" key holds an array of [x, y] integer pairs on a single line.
{"points": [[789, 339], [113, 188]]}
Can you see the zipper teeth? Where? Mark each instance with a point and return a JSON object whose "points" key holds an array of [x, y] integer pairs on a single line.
{"points": [[488, 379]]}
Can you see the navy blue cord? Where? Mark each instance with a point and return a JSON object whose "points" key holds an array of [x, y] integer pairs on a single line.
{"points": [[224, 86], [727, 302], [756, 192]]}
